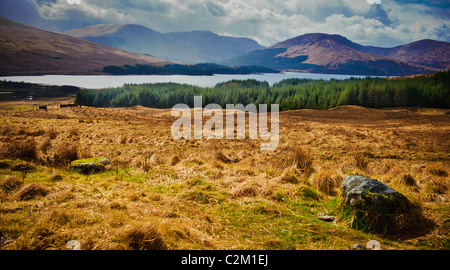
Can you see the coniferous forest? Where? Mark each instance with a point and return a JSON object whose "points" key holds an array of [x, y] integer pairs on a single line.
{"points": [[290, 94]]}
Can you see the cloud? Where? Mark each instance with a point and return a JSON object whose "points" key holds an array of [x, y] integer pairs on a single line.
{"points": [[267, 21], [149, 6], [216, 10]]}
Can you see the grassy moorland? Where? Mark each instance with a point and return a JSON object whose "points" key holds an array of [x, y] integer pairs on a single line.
{"points": [[159, 193]]}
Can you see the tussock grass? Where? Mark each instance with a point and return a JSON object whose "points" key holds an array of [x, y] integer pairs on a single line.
{"points": [[302, 159], [63, 154], [143, 237], [361, 160], [325, 182], [407, 180], [19, 149], [10, 183], [291, 175], [436, 186], [30, 191], [174, 160], [246, 190], [438, 171]]}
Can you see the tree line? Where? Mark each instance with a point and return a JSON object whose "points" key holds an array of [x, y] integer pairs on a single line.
{"points": [[290, 94], [204, 69]]}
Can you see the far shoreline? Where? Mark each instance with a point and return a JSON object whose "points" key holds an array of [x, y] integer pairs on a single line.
{"points": [[110, 81]]}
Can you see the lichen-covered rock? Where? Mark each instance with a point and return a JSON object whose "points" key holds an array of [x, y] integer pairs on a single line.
{"points": [[89, 166], [369, 195], [381, 209]]}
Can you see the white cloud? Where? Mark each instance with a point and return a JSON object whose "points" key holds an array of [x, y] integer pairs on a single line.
{"points": [[267, 21]]}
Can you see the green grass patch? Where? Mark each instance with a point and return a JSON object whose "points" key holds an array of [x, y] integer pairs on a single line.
{"points": [[204, 196], [168, 189]]}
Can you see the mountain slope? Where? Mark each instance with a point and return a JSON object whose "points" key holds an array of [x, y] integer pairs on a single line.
{"points": [[185, 47], [130, 37], [336, 54], [429, 53], [27, 50], [205, 46]]}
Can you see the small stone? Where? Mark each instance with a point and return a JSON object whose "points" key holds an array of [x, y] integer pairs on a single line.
{"points": [[373, 245], [73, 245], [105, 161], [89, 166], [358, 247], [327, 218]]}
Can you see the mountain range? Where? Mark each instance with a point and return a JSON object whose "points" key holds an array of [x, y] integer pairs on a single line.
{"points": [[317, 52], [186, 47], [324, 53], [25, 50]]}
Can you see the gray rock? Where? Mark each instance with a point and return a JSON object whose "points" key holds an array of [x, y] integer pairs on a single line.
{"points": [[358, 247], [370, 195], [373, 245], [89, 166], [105, 161], [327, 218], [73, 245]]}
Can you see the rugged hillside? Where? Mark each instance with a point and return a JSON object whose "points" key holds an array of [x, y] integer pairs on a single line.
{"points": [[336, 54], [185, 47], [26, 50]]}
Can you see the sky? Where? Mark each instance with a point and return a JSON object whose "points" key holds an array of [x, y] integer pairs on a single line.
{"points": [[384, 23]]}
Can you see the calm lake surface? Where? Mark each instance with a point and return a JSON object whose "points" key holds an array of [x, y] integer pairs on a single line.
{"points": [[105, 81]]}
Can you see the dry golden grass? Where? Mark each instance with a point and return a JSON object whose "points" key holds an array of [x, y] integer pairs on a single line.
{"points": [[215, 194]]}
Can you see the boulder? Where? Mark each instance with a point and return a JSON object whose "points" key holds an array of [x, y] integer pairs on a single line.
{"points": [[89, 166], [369, 195], [378, 208]]}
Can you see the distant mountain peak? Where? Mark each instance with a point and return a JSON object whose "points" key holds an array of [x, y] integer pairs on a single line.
{"points": [[186, 47], [311, 38], [203, 32]]}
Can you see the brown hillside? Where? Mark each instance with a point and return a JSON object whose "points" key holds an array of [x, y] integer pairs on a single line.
{"points": [[330, 50], [28, 50], [337, 53]]}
